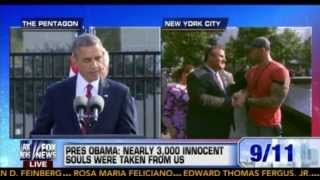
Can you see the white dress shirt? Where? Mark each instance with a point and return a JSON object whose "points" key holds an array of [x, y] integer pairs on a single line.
{"points": [[81, 86]]}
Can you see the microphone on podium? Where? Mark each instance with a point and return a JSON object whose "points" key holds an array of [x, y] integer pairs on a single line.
{"points": [[96, 105], [79, 105]]}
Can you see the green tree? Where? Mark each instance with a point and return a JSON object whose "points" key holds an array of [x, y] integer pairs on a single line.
{"points": [[286, 46], [236, 48], [185, 47], [306, 54]]}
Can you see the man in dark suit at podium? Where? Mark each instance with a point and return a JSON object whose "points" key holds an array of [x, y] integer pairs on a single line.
{"points": [[57, 115]]}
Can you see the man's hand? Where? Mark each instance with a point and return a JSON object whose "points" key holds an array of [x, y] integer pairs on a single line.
{"points": [[239, 98]]}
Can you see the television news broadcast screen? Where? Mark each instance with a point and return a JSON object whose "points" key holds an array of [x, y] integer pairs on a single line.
{"points": [[159, 90]]}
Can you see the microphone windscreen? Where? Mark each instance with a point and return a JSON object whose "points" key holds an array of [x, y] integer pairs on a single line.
{"points": [[96, 102], [80, 102]]}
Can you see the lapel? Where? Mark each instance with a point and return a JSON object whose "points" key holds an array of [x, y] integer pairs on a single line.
{"points": [[70, 91], [104, 92], [70, 94], [213, 79], [209, 77], [104, 88]]}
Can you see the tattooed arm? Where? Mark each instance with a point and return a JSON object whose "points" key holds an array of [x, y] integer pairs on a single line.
{"points": [[279, 92]]}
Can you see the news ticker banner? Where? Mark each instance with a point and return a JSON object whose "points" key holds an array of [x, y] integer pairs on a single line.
{"points": [[245, 153], [150, 155], [40, 154], [160, 172]]}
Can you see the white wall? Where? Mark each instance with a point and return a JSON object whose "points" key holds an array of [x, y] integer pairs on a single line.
{"points": [[140, 39], [37, 41]]}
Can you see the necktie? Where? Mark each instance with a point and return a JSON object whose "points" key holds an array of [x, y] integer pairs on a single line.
{"points": [[88, 93], [84, 125]]}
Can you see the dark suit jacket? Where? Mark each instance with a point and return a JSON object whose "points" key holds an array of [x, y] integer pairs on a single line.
{"points": [[57, 114], [210, 113]]}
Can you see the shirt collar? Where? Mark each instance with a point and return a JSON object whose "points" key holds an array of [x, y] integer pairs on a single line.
{"points": [[213, 71], [82, 84]]}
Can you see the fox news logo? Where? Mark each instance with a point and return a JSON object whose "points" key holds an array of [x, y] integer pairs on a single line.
{"points": [[37, 153]]}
